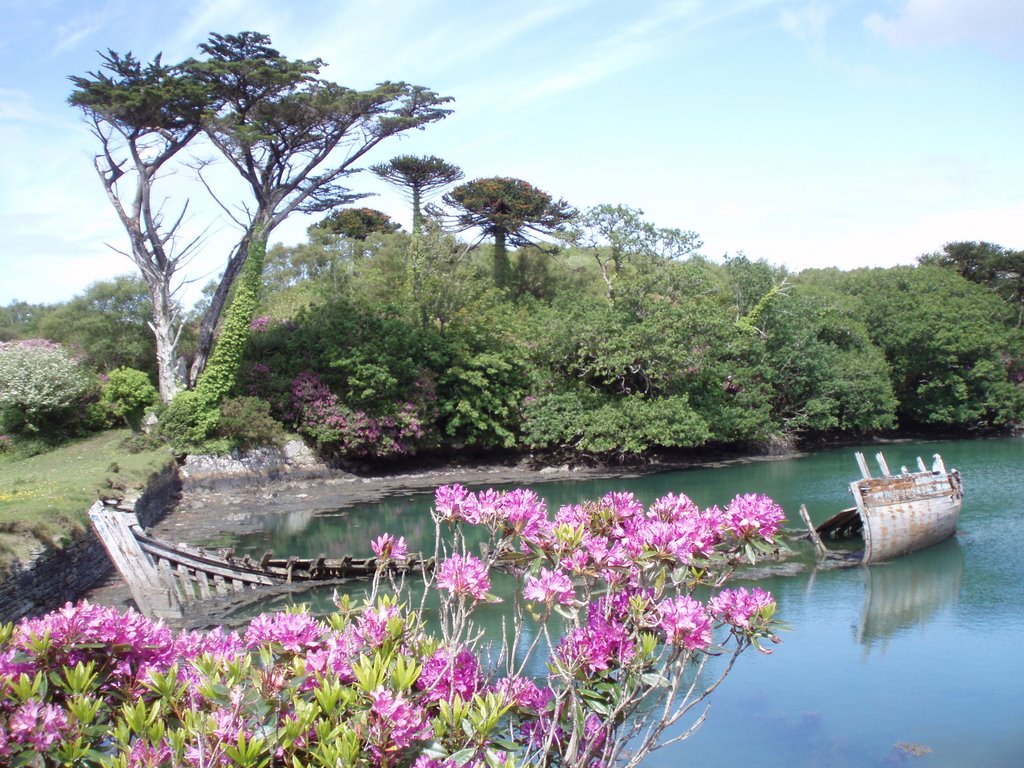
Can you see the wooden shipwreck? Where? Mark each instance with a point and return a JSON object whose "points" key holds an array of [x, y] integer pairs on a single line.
{"points": [[897, 513], [165, 578]]}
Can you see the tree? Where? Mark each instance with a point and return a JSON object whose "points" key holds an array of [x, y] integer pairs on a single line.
{"points": [[416, 177], [615, 234], [825, 373], [292, 138], [20, 320], [510, 211], [143, 116], [108, 324], [994, 266], [357, 223], [127, 394], [948, 343]]}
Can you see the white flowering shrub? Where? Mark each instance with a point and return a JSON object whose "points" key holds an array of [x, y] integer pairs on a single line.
{"points": [[42, 386]]}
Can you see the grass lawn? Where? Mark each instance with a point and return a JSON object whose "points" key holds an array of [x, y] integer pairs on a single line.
{"points": [[46, 498]]}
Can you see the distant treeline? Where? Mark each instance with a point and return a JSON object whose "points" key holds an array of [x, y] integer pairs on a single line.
{"points": [[392, 345]]}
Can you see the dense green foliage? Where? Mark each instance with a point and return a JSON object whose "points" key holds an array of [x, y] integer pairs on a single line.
{"points": [[997, 268], [415, 349], [127, 394], [404, 344]]}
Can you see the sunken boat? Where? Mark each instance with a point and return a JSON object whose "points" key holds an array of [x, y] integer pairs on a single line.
{"points": [[897, 513], [166, 578]]}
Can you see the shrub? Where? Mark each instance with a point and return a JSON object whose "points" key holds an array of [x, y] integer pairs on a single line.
{"points": [[246, 421], [42, 388], [127, 394], [189, 421], [320, 414]]}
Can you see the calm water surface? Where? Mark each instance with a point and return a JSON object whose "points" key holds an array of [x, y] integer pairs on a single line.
{"points": [[921, 651]]}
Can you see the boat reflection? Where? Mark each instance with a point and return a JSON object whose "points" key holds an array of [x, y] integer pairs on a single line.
{"points": [[909, 591]]}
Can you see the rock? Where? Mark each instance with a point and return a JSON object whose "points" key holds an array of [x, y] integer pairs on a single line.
{"points": [[298, 454], [256, 467]]}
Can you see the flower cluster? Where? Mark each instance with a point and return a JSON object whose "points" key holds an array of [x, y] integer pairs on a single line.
{"points": [[260, 324], [369, 686], [464, 576], [320, 414], [743, 609]]}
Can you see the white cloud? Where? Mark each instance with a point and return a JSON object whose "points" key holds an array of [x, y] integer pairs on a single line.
{"points": [[993, 24], [807, 23]]}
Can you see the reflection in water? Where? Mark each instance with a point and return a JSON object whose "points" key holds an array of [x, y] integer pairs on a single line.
{"points": [[909, 591]]}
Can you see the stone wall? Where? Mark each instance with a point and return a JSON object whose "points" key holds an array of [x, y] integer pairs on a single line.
{"points": [[55, 576]]}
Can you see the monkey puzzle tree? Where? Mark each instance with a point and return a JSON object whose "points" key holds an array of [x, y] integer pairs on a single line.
{"points": [[143, 115], [292, 138], [417, 177], [510, 211]]}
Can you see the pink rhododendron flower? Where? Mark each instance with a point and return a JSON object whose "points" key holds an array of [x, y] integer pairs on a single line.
{"points": [[685, 622], [482, 508], [372, 625], [576, 562], [449, 500], [673, 509], [550, 588], [36, 724], [132, 642], [464, 576], [394, 724], [146, 755], [387, 547], [522, 692], [295, 632], [598, 646], [753, 514], [335, 656], [738, 606], [444, 676], [525, 514]]}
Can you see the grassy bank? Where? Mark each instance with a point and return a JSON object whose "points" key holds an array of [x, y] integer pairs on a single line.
{"points": [[45, 499]]}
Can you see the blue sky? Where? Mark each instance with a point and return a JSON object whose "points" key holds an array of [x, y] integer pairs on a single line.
{"points": [[806, 133]]}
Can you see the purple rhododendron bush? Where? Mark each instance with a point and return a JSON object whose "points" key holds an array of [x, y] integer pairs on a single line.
{"points": [[607, 608]]}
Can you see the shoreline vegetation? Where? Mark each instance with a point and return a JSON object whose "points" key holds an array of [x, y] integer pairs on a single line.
{"points": [[45, 498]]}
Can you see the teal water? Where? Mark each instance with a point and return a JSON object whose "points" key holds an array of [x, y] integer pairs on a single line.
{"points": [[915, 655]]}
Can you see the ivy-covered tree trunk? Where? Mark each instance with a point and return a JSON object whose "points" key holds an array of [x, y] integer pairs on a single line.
{"points": [[221, 371], [208, 323]]}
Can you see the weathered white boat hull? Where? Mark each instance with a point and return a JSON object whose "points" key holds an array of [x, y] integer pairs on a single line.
{"points": [[904, 513]]}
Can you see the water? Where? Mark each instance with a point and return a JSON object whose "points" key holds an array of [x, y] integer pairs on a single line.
{"points": [[915, 655]]}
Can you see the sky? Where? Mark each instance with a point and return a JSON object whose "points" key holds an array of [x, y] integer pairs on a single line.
{"points": [[807, 133]]}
